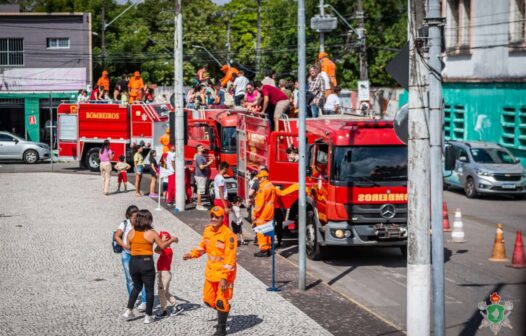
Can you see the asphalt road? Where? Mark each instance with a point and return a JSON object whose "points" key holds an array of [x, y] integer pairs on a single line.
{"points": [[376, 278]]}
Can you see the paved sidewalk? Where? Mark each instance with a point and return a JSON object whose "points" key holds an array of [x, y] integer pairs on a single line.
{"points": [[59, 275]]}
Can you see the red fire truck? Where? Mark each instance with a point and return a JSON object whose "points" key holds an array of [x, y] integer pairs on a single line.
{"points": [[82, 128], [356, 178]]}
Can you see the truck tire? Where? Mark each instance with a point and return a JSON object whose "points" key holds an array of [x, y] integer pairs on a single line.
{"points": [[92, 159], [30, 156], [314, 250]]}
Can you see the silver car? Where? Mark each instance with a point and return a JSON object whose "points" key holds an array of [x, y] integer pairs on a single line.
{"points": [[483, 168], [13, 147]]}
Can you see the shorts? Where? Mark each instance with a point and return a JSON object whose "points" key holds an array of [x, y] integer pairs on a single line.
{"points": [[122, 177], [200, 182], [153, 173], [165, 186], [236, 228], [139, 169], [281, 108]]}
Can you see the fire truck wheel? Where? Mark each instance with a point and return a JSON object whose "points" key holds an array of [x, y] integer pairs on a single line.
{"points": [[92, 159], [30, 156], [314, 249]]}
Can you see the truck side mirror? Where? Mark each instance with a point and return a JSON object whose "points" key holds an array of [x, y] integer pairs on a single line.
{"points": [[449, 158]]}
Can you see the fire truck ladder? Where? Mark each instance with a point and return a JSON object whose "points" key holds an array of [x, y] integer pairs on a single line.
{"points": [[287, 128]]}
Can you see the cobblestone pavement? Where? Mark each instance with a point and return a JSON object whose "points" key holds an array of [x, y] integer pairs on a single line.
{"points": [[59, 275]]}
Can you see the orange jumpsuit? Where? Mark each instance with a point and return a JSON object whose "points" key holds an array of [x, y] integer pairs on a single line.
{"points": [[263, 211], [165, 141], [135, 86], [329, 67], [104, 82], [221, 247], [229, 74]]}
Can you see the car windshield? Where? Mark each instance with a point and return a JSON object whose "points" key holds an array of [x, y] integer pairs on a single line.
{"points": [[369, 165], [492, 155], [228, 140]]}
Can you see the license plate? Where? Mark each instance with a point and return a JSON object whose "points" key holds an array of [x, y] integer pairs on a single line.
{"points": [[393, 233], [509, 186]]}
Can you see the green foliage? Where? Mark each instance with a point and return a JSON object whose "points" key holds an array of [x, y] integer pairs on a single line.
{"points": [[142, 38]]}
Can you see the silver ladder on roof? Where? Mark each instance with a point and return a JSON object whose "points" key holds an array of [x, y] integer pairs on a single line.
{"points": [[287, 128]]}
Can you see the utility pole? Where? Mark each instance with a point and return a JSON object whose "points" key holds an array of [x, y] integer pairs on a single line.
{"points": [[360, 16], [418, 244], [103, 34], [258, 40], [322, 34], [228, 40], [434, 21], [302, 198], [179, 114]]}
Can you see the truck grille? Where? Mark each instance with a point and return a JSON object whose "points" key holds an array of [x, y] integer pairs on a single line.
{"points": [[507, 177], [371, 213]]}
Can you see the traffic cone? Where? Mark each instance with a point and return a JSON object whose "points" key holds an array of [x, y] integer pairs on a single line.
{"points": [[518, 252], [445, 218], [457, 236], [499, 250]]}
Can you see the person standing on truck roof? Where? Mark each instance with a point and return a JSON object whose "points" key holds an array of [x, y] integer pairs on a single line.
{"points": [[328, 66], [269, 78], [275, 103], [203, 76], [220, 273], [201, 175], [136, 86], [240, 87], [332, 104], [105, 157], [220, 190], [263, 211], [229, 72], [104, 81], [315, 91]]}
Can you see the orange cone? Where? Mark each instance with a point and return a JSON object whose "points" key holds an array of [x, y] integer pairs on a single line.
{"points": [[518, 260], [445, 217], [499, 250]]}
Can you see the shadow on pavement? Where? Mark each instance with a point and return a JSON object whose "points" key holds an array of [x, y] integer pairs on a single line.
{"points": [[242, 322]]}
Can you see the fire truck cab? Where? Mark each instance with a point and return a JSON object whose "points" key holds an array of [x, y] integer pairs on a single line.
{"points": [[356, 178]]}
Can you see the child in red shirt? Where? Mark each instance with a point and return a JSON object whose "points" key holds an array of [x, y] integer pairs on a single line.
{"points": [[164, 275]]}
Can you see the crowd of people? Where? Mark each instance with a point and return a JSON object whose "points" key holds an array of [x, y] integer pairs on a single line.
{"points": [[128, 90], [270, 96]]}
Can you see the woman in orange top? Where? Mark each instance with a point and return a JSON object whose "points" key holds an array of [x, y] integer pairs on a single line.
{"points": [[142, 269]]}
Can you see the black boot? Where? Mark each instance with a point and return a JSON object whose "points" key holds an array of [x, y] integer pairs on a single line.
{"points": [[221, 323]]}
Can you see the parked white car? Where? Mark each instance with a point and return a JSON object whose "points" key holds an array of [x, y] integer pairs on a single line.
{"points": [[13, 147]]}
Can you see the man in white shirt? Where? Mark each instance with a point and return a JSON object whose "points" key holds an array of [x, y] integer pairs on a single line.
{"points": [[240, 87], [221, 192], [170, 166], [332, 104]]}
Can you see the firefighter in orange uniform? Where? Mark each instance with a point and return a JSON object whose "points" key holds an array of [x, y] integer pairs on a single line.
{"points": [[165, 141], [328, 66], [263, 211], [220, 243], [104, 81], [135, 86], [229, 74]]}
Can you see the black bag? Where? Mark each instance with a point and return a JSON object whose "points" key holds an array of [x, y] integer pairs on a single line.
{"points": [[116, 247], [309, 97]]}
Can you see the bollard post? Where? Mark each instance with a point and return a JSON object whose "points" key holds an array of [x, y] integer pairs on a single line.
{"points": [[273, 287], [160, 182]]}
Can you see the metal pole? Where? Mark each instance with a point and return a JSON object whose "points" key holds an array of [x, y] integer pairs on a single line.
{"points": [[418, 249], [159, 182], [363, 48], [228, 41], [322, 35], [51, 128], [302, 199], [103, 34], [258, 40], [435, 129], [179, 113]]}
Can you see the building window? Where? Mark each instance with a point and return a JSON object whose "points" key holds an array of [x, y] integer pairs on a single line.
{"points": [[458, 24], [11, 51], [58, 42], [517, 21]]}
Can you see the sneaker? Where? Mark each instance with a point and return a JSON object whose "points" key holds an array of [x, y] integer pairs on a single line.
{"points": [[162, 313], [148, 319], [142, 307], [153, 195], [128, 314], [262, 254], [201, 208]]}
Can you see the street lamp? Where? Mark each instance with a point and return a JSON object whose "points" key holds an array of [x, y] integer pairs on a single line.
{"points": [[208, 52]]}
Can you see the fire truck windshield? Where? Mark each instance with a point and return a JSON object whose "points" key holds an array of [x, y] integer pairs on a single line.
{"points": [[228, 140], [369, 165]]}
